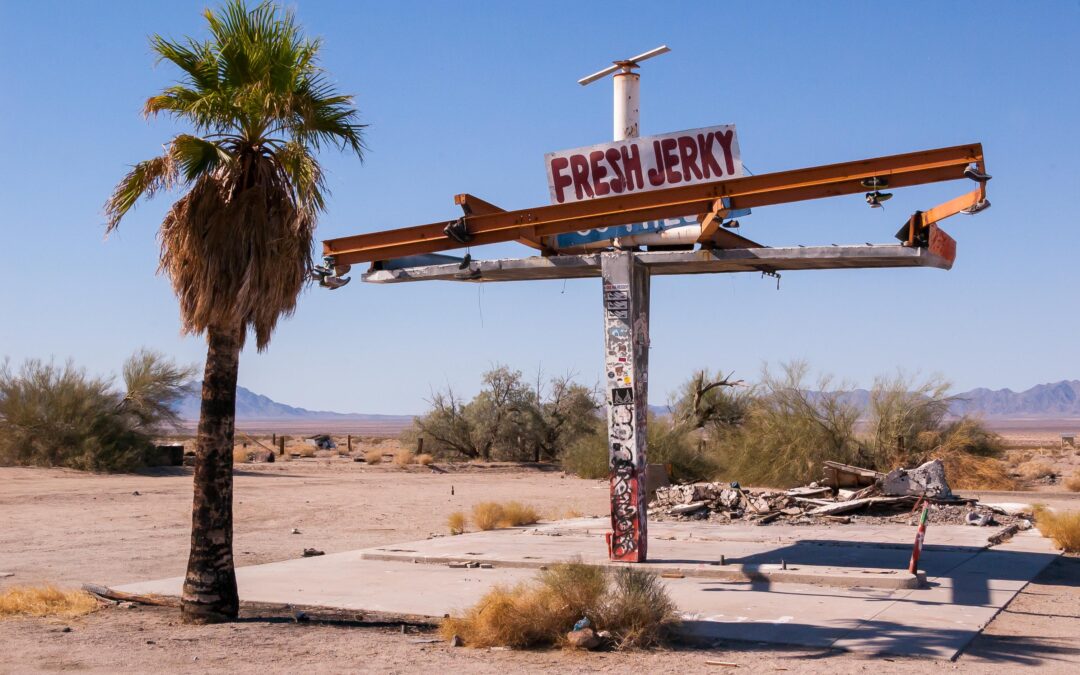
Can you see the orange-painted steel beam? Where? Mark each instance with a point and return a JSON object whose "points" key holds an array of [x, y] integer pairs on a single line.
{"points": [[473, 205], [928, 166], [710, 222]]}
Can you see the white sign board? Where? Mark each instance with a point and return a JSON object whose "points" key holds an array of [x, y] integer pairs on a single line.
{"points": [[646, 163]]}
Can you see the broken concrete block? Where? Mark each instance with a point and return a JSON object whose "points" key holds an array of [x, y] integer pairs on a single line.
{"points": [[977, 519], [928, 480]]}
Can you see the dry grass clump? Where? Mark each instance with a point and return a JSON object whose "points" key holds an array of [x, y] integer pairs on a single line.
{"points": [[424, 459], [1034, 469], [1073, 482], [239, 455], [456, 522], [1062, 528], [516, 514], [631, 604], [487, 515], [490, 515], [404, 457], [46, 601], [373, 456], [972, 472]]}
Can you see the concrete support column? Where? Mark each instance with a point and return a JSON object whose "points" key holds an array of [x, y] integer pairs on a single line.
{"points": [[626, 360]]}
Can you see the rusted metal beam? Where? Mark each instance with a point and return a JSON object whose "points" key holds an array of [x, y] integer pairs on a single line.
{"points": [[472, 205], [710, 222], [928, 166]]}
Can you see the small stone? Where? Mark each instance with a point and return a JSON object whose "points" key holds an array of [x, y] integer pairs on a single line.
{"points": [[312, 552], [456, 641], [295, 531], [126, 605], [301, 617], [1024, 524], [5, 575], [135, 494], [583, 639]]}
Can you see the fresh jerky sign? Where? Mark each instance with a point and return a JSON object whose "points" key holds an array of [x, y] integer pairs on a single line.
{"points": [[648, 163]]}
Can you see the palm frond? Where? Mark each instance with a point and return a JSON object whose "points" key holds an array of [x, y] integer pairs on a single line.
{"points": [[144, 180], [197, 156]]}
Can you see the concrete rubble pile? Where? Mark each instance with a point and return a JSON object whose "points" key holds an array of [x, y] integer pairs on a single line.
{"points": [[870, 496]]}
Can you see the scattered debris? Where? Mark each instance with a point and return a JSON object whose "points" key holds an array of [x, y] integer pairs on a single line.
{"points": [[839, 475], [893, 497], [321, 441], [583, 639], [312, 552]]}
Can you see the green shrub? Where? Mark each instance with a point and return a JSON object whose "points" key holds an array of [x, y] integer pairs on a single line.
{"points": [[54, 415]]}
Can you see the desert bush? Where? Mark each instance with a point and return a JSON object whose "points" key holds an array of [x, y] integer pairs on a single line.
{"points": [[587, 457], [681, 448], [404, 457], [1072, 483], [789, 431], [373, 456], [508, 419], [425, 459], [240, 454], [973, 472], [46, 601], [456, 522], [630, 603], [1034, 469], [487, 515], [54, 415], [639, 612], [707, 400], [1062, 528], [516, 514]]}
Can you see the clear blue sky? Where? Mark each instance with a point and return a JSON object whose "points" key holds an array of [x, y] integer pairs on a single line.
{"points": [[467, 97]]}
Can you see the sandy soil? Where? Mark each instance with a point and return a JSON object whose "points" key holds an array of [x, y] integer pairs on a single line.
{"points": [[67, 527]]}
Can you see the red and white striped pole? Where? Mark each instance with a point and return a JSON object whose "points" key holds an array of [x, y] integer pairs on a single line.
{"points": [[913, 568]]}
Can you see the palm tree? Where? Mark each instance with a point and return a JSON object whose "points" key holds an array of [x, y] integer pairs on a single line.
{"points": [[237, 246]]}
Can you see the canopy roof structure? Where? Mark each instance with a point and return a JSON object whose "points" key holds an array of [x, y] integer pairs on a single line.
{"points": [[484, 223], [704, 245]]}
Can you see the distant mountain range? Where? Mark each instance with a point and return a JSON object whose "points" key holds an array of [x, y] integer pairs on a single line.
{"points": [[252, 406], [1055, 400]]}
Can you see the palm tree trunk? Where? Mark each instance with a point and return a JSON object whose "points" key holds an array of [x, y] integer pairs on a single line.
{"points": [[210, 585]]}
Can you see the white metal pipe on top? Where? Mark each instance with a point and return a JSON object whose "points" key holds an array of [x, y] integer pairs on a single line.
{"points": [[627, 87]]}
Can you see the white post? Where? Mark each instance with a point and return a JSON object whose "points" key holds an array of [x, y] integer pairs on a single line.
{"points": [[626, 104]]}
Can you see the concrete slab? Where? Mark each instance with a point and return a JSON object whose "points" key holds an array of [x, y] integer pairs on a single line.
{"points": [[966, 583]]}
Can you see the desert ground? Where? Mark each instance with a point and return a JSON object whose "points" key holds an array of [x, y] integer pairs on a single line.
{"points": [[67, 528]]}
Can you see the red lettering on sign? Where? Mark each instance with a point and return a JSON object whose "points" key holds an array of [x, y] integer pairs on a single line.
{"points": [[688, 155], [579, 169], [561, 182], [600, 187], [668, 146], [656, 176], [708, 159], [725, 142], [631, 161], [612, 157]]}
